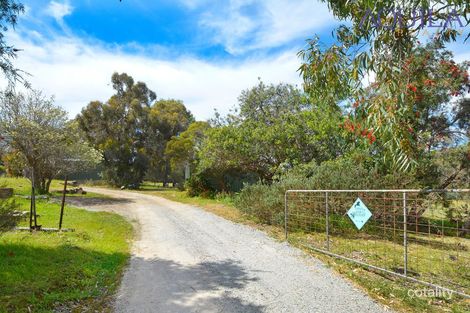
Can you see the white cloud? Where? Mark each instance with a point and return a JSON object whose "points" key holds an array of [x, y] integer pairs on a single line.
{"points": [[77, 72], [59, 10], [462, 56], [192, 4], [247, 25]]}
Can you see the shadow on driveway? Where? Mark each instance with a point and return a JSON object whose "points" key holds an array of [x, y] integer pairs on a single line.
{"points": [[85, 202], [158, 285]]}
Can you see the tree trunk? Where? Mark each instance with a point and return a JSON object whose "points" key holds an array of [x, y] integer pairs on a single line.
{"points": [[42, 188], [48, 184], [41, 185]]}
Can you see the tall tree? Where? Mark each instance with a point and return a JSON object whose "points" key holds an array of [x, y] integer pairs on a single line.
{"points": [[169, 118], [183, 150], [120, 129]]}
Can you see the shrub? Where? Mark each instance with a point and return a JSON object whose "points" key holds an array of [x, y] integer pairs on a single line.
{"points": [[198, 185], [266, 202], [8, 215], [263, 202], [208, 183]]}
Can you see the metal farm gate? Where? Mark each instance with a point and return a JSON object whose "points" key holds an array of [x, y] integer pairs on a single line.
{"points": [[419, 235]]}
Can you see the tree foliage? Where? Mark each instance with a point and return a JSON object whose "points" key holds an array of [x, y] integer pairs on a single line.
{"points": [[266, 201], [425, 120], [10, 10], [14, 163], [131, 131], [48, 143], [184, 149], [273, 129], [169, 118], [379, 43], [119, 127]]}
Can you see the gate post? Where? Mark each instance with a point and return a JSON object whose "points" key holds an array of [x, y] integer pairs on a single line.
{"points": [[285, 214], [405, 237], [327, 215]]}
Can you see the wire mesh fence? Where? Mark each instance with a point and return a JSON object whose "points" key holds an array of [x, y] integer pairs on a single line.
{"points": [[423, 236]]}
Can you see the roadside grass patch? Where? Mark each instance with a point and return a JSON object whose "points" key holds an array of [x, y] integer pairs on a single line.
{"points": [[22, 188], [64, 272]]}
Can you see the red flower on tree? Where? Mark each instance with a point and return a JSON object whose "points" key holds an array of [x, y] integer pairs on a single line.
{"points": [[429, 82], [411, 87], [371, 137]]}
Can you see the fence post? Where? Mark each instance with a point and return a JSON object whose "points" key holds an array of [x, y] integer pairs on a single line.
{"points": [[63, 203], [405, 236], [327, 222], [285, 214]]}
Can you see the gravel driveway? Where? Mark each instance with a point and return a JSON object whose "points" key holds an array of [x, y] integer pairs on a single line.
{"points": [[189, 260]]}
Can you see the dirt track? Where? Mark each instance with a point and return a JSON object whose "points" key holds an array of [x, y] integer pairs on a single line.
{"points": [[188, 260]]}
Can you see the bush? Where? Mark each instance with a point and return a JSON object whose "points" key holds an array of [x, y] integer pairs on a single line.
{"points": [[8, 215], [208, 183], [266, 202], [197, 185]]}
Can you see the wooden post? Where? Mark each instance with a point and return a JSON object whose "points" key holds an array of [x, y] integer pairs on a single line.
{"points": [[31, 206], [63, 203], [32, 210]]}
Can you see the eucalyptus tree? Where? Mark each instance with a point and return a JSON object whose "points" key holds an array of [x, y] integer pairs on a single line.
{"points": [[119, 129], [377, 43], [169, 118]]}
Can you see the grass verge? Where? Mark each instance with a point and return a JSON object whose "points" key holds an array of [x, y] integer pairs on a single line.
{"points": [[388, 290], [62, 272]]}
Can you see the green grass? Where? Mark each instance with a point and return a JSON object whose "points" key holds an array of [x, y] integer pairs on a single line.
{"points": [[22, 187], [389, 290], [77, 271]]}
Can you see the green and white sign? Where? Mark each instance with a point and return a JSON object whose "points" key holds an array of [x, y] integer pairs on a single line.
{"points": [[359, 214]]}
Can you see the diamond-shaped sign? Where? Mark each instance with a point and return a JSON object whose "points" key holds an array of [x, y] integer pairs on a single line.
{"points": [[359, 214]]}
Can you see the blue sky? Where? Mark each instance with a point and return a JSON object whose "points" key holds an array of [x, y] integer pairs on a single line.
{"points": [[203, 52]]}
